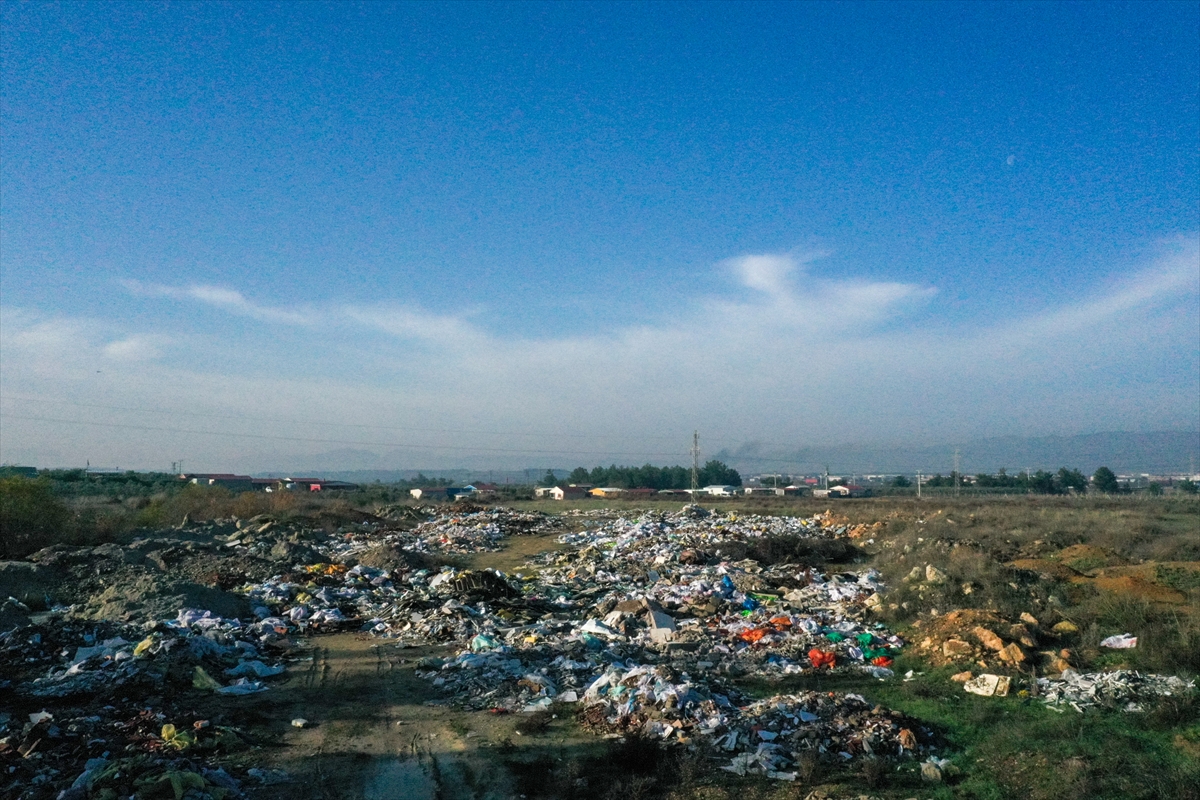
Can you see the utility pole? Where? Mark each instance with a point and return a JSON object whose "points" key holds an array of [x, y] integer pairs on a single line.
{"points": [[695, 462], [919, 476], [957, 479]]}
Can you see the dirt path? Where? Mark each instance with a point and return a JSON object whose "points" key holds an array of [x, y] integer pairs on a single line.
{"points": [[376, 731]]}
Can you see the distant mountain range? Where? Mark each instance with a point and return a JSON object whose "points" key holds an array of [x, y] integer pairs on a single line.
{"points": [[1156, 452]]}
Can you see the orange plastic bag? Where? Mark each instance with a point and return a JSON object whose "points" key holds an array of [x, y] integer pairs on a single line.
{"points": [[881, 661], [822, 658], [753, 635]]}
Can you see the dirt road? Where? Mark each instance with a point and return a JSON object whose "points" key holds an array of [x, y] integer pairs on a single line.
{"points": [[378, 732]]}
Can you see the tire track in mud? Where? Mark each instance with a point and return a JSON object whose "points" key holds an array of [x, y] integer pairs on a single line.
{"points": [[373, 735]]}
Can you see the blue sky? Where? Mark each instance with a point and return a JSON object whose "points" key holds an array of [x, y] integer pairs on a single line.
{"points": [[500, 232]]}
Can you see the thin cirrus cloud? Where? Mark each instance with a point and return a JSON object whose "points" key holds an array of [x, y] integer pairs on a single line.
{"points": [[229, 300], [796, 359]]}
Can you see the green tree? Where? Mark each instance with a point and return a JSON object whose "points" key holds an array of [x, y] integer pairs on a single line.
{"points": [[578, 475], [1188, 487], [716, 473], [1071, 479], [1043, 482], [1105, 481], [1154, 489], [901, 482], [548, 479]]}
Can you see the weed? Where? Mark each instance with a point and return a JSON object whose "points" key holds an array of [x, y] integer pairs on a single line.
{"points": [[874, 771]]}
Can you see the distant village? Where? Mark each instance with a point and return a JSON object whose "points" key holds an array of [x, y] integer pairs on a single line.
{"points": [[823, 486], [553, 488]]}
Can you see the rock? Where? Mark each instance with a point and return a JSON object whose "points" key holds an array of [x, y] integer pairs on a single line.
{"points": [[1028, 618], [988, 638], [1013, 654], [1022, 635], [914, 575], [1057, 664], [962, 677], [935, 575], [13, 616], [968, 588], [931, 773], [874, 602], [1065, 626], [955, 648]]}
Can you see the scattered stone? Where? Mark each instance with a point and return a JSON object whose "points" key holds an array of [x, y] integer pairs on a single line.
{"points": [[962, 677], [935, 575], [988, 638], [953, 648], [1012, 654], [1066, 626]]}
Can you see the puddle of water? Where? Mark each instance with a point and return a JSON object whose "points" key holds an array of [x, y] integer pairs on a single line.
{"points": [[400, 779]]}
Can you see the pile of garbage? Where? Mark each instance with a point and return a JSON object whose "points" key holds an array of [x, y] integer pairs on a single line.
{"points": [[644, 623], [461, 530], [120, 689], [1125, 690]]}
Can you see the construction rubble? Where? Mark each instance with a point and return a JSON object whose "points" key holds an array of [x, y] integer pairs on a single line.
{"points": [[1121, 690], [643, 625]]}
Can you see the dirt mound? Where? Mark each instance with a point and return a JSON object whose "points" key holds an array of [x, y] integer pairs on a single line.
{"points": [[148, 598], [1139, 588], [1085, 558], [1055, 570], [394, 559], [28, 583], [970, 637]]}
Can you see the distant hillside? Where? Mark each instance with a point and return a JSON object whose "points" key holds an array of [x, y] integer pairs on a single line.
{"points": [[1155, 452]]}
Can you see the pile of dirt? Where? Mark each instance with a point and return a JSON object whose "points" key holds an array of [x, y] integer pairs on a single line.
{"points": [[389, 557], [152, 598], [984, 639], [28, 583]]}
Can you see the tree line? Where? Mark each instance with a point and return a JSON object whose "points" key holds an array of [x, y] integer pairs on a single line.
{"points": [[1042, 482], [649, 476]]}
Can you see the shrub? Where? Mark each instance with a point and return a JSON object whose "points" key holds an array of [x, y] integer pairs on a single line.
{"points": [[31, 517]]}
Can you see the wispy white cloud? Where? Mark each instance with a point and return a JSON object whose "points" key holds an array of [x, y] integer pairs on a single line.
{"points": [[800, 359], [227, 299], [134, 348]]}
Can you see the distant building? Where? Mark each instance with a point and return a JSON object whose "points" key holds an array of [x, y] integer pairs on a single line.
{"points": [[561, 492], [720, 490], [763, 490], [606, 491], [234, 483], [842, 491]]}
